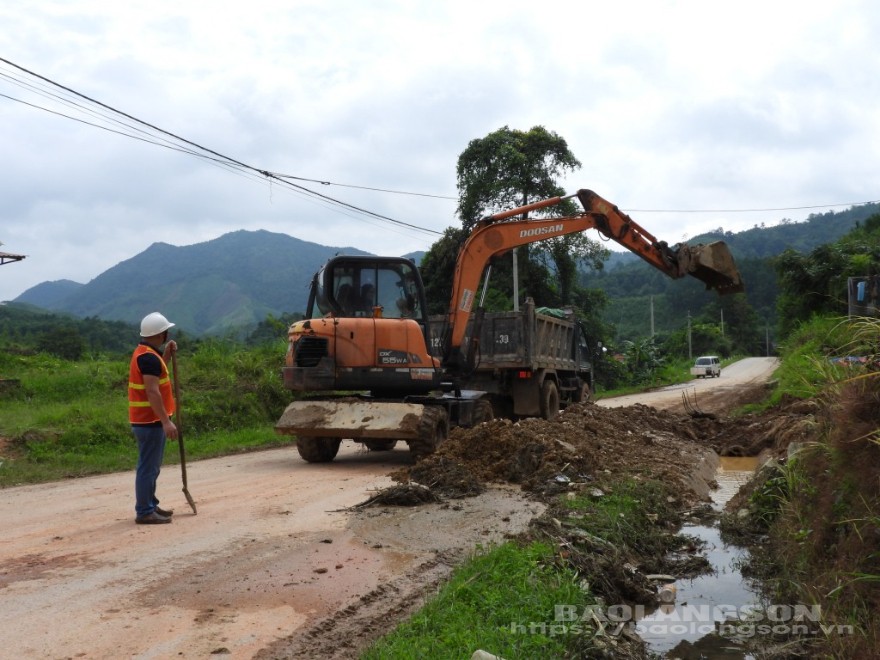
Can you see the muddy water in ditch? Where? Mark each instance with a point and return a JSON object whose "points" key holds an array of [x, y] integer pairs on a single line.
{"points": [[689, 627]]}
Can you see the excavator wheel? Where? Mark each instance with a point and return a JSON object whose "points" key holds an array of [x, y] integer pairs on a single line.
{"points": [[317, 450], [433, 429], [549, 400], [380, 445], [482, 412]]}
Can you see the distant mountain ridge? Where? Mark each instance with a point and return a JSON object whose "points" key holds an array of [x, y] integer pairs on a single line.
{"points": [[761, 242], [633, 287], [236, 280], [232, 281], [49, 294]]}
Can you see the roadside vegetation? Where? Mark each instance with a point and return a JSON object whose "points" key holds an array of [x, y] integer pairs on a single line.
{"points": [[814, 518], [546, 594], [63, 418]]}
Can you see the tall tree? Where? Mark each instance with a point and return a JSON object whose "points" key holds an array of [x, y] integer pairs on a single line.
{"points": [[510, 168], [437, 268]]}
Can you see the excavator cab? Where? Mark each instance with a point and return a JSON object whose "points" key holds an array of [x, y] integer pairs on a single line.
{"points": [[365, 329], [368, 287]]}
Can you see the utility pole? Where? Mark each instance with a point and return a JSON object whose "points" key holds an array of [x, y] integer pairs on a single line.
{"points": [[722, 323], [515, 280], [652, 316], [690, 344], [767, 337]]}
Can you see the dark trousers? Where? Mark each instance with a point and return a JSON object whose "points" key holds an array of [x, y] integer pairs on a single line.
{"points": [[151, 450]]}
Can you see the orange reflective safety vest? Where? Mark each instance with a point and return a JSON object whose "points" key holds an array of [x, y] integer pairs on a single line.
{"points": [[139, 409]]}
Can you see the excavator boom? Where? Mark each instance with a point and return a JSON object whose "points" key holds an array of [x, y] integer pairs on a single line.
{"points": [[712, 264], [496, 234]]}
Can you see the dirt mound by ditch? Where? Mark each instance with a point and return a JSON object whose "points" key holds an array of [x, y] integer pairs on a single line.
{"points": [[586, 442]]}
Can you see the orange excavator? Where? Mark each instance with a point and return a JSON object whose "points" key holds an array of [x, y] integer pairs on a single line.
{"points": [[364, 358]]}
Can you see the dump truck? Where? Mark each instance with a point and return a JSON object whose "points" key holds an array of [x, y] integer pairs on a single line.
{"points": [[361, 359], [532, 361]]}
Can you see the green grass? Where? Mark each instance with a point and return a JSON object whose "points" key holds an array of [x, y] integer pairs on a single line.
{"points": [[625, 515], [805, 368], [503, 599], [497, 602], [70, 418], [817, 512]]}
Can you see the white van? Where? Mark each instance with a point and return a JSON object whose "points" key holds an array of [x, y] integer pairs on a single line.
{"points": [[705, 366]]}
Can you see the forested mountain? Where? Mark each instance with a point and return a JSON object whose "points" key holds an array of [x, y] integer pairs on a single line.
{"points": [[817, 229], [631, 284], [48, 295], [233, 281]]}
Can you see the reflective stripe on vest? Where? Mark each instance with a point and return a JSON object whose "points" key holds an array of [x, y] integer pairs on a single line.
{"points": [[139, 409]]}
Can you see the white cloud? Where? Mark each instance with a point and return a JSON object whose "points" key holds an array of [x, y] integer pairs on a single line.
{"points": [[669, 105]]}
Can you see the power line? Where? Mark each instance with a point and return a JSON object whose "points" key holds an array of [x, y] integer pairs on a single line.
{"points": [[227, 160], [350, 185], [231, 164], [104, 128]]}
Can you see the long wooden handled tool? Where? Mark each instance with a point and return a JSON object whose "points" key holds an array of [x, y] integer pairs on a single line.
{"points": [[180, 433]]}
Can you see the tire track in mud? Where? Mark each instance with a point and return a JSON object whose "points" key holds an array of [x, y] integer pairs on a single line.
{"points": [[344, 633]]}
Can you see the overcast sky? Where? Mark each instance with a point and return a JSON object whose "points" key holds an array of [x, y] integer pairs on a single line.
{"points": [[668, 105]]}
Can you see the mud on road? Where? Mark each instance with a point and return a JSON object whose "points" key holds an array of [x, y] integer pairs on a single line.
{"points": [[280, 561]]}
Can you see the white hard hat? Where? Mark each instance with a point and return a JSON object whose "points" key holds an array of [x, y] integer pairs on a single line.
{"points": [[154, 324]]}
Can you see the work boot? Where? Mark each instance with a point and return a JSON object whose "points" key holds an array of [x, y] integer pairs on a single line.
{"points": [[164, 512], [152, 519]]}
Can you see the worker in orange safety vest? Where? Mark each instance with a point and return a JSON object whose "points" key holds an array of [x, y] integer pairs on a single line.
{"points": [[150, 407]]}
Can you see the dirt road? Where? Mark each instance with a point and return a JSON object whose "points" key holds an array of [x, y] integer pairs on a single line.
{"points": [[270, 551], [710, 394], [265, 566]]}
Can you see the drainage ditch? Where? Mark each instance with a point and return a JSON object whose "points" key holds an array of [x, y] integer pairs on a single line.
{"points": [[698, 619]]}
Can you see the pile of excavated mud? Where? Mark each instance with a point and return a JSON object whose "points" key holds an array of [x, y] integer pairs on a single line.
{"points": [[587, 441]]}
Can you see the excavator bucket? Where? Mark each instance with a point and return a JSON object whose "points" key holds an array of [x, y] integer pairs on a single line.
{"points": [[351, 418], [713, 265]]}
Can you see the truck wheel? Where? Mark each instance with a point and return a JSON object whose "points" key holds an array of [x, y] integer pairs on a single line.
{"points": [[583, 395], [502, 406], [380, 445], [549, 400], [433, 429], [482, 412], [317, 450]]}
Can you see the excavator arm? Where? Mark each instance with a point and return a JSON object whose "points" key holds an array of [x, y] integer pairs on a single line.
{"points": [[496, 234]]}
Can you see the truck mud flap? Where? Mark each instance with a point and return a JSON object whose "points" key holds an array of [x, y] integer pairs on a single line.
{"points": [[351, 418]]}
